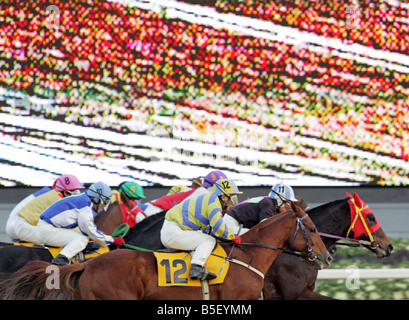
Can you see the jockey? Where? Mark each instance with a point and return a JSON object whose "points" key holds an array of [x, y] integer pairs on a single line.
{"points": [[57, 223], [254, 210], [28, 216], [210, 179], [202, 213], [180, 193], [128, 195], [128, 190], [11, 221]]}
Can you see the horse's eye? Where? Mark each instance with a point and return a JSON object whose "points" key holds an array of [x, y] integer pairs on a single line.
{"points": [[371, 218], [313, 230]]}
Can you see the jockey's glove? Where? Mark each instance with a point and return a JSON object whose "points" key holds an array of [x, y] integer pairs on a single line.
{"points": [[237, 239]]}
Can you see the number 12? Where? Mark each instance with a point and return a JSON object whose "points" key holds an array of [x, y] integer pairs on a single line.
{"points": [[176, 273]]}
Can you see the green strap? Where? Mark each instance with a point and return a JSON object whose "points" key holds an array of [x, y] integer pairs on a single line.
{"points": [[122, 231]]}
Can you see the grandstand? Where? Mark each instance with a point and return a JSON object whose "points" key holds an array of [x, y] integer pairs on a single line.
{"points": [[161, 91]]}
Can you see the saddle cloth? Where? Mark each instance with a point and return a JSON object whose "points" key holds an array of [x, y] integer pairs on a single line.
{"points": [[173, 268], [54, 251]]}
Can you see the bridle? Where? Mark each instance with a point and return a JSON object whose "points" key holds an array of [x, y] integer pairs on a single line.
{"points": [[358, 214], [310, 255]]}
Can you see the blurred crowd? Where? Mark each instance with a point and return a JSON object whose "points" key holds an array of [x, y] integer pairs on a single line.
{"points": [[379, 24], [128, 69]]}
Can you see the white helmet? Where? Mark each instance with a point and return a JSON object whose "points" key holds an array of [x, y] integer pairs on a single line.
{"points": [[282, 192]]}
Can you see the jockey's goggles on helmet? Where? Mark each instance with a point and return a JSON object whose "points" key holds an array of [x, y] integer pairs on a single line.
{"points": [[105, 200], [235, 199]]}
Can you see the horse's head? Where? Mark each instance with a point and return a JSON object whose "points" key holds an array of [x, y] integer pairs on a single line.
{"points": [[307, 238], [365, 226]]}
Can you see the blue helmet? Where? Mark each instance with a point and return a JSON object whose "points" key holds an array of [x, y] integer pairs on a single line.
{"points": [[99, 192]]}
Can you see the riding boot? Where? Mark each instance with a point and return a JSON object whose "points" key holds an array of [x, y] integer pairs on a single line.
{"points": [[199, 272], [61, 260]]}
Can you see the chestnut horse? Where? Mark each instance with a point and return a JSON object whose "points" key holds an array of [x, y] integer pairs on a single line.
{"points": [[129, 274]]}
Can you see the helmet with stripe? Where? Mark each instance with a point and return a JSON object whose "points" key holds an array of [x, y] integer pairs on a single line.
{"points": [[67, 182], [99, 192]]}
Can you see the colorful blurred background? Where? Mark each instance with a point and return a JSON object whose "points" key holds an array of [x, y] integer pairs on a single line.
{"points": [[311, 93]]}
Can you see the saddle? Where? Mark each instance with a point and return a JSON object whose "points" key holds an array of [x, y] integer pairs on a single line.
{"points": [[174, 266], [93, 249]]}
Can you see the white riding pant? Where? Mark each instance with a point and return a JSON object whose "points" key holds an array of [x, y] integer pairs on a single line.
{"points": [[234, 224], [173, 236], [71, 240], [25, 231], [11, 221]]}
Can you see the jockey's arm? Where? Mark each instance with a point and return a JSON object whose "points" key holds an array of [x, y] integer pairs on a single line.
{"points": [[88, 227]]}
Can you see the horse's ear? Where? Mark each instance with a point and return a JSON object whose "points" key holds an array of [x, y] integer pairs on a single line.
{"points": [[358, 201], [349, 195]]}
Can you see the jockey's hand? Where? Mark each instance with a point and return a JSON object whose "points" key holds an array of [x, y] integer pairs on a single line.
{"points": [[118, 241], [237, 239]]}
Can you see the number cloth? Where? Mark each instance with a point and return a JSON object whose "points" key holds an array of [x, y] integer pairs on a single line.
{"points": [[173, 268]]}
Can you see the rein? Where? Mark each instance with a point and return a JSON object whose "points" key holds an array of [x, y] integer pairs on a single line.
{"points": [[299, 226], [266, 246], [121, 231], [358, 242]]}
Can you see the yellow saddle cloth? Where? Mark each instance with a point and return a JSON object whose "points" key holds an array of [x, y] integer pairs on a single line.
{"points": [[54, 251], [173, 268]]}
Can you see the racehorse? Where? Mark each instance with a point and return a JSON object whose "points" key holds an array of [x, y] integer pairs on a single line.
{"points": [[131, 274], [288, 279], [107, 221], [14, 257]]}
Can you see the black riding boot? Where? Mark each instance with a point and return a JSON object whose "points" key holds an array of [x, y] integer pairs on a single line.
{"points": [[199, 272], [61, 260]]}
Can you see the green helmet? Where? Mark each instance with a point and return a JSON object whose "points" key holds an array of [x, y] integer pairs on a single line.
{"points": [[132, 190]]}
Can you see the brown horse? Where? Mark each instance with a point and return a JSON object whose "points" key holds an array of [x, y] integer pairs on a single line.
{"points": [[128, 274], [107, 221]]}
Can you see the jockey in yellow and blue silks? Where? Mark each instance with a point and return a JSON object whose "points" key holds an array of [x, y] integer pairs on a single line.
{"points": [[202, 213]]}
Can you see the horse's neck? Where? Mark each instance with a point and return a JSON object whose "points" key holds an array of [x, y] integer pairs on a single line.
{"points": [[276, 231], [333, 218], [107, 221]]}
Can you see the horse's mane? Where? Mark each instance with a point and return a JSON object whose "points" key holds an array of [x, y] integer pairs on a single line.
{"points": [[322, 209], [264, 224]]}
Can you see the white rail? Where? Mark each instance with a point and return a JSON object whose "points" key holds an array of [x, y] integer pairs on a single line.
{"points": [[348, 273]]}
